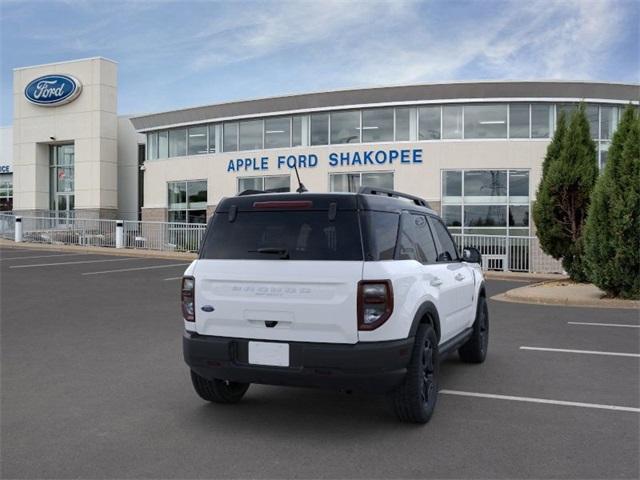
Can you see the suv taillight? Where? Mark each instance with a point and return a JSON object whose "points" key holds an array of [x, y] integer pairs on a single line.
{"points": [[188, 299], [375, 303]]}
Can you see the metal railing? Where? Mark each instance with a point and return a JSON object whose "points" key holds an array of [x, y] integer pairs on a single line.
{"points": [[69, 231], [7, 226], [163, 236], [515, 254]]}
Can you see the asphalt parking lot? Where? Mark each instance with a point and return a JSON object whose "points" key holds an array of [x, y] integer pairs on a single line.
{"points": [[94, 386]]}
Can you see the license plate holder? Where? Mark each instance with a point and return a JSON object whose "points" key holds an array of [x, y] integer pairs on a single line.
{"points": [[269, 353]]}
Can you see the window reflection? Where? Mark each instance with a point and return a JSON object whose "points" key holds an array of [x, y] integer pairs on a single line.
{"points": [[277, 132], [251, 135], [403, 124], [377, 125], [429, 123], [320, 129], [519, 120], [452, 121], [485, 121], [345, 127]]}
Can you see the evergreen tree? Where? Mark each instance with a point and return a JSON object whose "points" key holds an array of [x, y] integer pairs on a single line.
{"points": [[564, 194], [612, 233], [549, 232]]}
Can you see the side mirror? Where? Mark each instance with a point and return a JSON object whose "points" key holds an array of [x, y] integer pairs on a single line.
{"points": [[471, 255]]}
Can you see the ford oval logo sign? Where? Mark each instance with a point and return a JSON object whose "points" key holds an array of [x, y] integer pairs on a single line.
{"points": [[53, 90]]}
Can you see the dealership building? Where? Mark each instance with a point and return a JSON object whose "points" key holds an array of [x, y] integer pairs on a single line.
{"points": [[473, 150]]}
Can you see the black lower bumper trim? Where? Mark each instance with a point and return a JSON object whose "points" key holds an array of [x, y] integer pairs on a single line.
{"points": [[370, 367]]}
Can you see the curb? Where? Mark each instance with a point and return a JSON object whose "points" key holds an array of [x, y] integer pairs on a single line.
{"points": [[513, 296], [124, 252], [524, 277]]}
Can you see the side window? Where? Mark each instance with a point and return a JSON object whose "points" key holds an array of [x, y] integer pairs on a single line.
{"points": [[416, 242], [383, 232], [447, 251]]}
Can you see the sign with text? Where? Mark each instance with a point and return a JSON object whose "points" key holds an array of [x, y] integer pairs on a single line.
{"points": [[53, 90], [358, 158]]}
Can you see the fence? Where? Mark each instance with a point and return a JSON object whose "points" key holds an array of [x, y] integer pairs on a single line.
{"points": [[7, 226], [69, 231], [517, 254], [103, 233], [163, 236]]}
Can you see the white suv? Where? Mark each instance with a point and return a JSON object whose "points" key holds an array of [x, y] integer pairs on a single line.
{"points": [[354, 291]]}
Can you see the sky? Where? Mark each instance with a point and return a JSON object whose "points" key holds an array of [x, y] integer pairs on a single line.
{"points": [[176, 54]]}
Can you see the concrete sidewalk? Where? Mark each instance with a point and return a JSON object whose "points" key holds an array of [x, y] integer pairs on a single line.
{"points": [[128, 252], [565, 292]]}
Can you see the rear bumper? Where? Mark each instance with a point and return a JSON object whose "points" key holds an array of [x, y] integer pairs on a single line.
{"points": [[370, 367]]}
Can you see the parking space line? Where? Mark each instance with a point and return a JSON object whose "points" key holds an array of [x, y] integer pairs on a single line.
{"points": [[588, 352], [172, 278], [622, 325], [135, 269], [541, 400], [41, 256], [75, 263]]}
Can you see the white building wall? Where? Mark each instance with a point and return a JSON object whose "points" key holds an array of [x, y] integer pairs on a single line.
{"points": [[6, 149], [421, 179], [90, 122], [128, 169]]}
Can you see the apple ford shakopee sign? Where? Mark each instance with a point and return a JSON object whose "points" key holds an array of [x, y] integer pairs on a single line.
{"points": [[53, 90]]}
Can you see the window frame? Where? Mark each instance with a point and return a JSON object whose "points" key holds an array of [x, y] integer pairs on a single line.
{"points": [[262, 180], [460, 202], [436, 239], [429, 231], [359, 173], [186, 209]]}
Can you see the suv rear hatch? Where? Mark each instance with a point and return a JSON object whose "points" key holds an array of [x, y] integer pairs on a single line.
{"points": [[281, 267]]}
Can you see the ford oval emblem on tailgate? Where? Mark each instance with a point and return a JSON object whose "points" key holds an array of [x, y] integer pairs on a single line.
{"points": [[207, 308]]}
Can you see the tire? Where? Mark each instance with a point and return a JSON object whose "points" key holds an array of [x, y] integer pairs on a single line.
{"points": [[475, 349], [414, 401], [218, 391]]}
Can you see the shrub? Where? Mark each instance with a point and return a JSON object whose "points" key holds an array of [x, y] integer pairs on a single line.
{"points": [[563, 198], [612, 245]]}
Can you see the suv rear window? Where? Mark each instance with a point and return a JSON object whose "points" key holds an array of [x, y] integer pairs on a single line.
{"points": [[275, 235]]}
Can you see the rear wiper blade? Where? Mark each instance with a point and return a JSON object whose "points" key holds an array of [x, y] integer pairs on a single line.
{"points": [[283, 252]]}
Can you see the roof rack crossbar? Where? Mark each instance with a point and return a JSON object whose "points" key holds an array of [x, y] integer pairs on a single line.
{"points": [[392, 193]]}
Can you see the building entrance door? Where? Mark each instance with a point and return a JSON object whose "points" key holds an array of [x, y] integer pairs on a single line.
{"points": [[62, 176]]}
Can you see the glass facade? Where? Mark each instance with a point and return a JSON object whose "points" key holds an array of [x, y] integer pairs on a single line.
{"points": [[351, 182], [280, 183], [384, 124], [429, 123], [178, 142], [485, 121], [541, 120], [62, 179], [452, 121], [377, 125], [187, 201], [251, 135], [230, 137], [6, 192], [197, 140], [345, 127], [488, 202], [519, 120], [319, 129], [403, 124], [277, 132]]}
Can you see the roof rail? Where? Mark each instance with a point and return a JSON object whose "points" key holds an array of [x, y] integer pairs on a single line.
{"points": [[269, 190], [392, 193]]}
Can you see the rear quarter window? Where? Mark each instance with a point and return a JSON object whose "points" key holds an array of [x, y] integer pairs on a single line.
{"points": [[265, 235], [381, 234]]}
